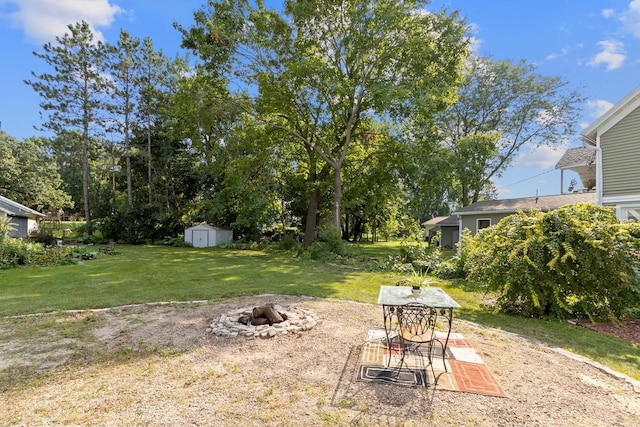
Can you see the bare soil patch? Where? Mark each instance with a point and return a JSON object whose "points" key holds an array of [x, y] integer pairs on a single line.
{"points": [[159, 366], [628, 329]]}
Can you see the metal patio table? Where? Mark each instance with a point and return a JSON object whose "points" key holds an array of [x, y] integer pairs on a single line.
{"points": [[393, 297]]}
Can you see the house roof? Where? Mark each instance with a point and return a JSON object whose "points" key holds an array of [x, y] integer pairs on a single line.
{"points": [[611, 117], [580, 156], [434, 220], [544, 203], [449, 221], [12, 208]]}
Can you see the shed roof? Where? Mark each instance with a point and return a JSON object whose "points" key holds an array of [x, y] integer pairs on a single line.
{"points": [[580, 156], [12, 208], [544, 203], [449, 221], [207, 226], [434, 220]]}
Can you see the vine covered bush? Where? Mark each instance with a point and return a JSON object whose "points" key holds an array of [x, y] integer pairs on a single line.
{"points": [[576, 261]]}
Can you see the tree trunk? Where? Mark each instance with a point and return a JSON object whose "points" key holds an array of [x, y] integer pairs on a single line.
{"points": [[85, 175], [337, 195], [128, 158], [312, 212], [345, 231], [149, 158]]}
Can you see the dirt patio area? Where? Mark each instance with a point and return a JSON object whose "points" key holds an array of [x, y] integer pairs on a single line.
{"points": [[170, 371]]}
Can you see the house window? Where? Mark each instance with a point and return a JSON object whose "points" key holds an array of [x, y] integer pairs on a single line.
{"points": [[630, 213], [483, 223]]}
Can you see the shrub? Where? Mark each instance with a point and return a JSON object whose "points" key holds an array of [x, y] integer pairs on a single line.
{"points": [[330, 244], [177, 242], [288, 243], [15, 252], [452, 268], [575, 261], [411, 251], [43, 236]]}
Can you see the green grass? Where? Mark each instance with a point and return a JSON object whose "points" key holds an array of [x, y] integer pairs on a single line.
{"points": [[138, 274], [154, 273]]}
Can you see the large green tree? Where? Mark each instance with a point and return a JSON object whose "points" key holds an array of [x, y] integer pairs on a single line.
{"points": [[502, 107], [124, 67], [321, 68], [74, 92], [29, 175], [156, 80]]}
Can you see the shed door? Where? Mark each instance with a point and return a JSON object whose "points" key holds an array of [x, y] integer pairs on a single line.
{"points": [[200, 238]]}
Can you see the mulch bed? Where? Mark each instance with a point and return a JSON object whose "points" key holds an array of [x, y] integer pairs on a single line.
{"points": [[629, 330]]}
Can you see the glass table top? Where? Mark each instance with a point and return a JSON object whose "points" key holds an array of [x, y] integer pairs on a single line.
{"points": [[401, 295]]}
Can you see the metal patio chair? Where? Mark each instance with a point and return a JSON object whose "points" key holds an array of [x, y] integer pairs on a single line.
{"points": [[416, 333]]}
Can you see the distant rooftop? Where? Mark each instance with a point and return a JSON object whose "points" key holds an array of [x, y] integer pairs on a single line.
{"points": [[543, 203], [434, 220]]}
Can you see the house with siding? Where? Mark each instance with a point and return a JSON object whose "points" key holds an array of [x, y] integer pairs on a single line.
{"points": [[615, 138], [486, 213], [24, 219], [479, 215], [608, 166]]}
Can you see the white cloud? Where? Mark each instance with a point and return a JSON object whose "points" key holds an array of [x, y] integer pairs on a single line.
{"points": [[607, 13], [43, 20], [598, 107], [631, 18], [563, 52], [612, 55], [543, 157], [474, 42]]}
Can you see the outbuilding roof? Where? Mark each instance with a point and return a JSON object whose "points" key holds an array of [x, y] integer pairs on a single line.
{"points": [[543, 203], [11, 208], [434, 220], [207, 226]]}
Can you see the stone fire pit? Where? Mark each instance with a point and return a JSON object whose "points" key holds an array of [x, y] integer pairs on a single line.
{"points": [[231, 324]]}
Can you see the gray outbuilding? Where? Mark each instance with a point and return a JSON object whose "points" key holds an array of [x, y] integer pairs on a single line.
{"points": [[204, 235]]}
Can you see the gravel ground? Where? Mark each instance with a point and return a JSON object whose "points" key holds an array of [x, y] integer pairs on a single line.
{"points": [[170, 371]]}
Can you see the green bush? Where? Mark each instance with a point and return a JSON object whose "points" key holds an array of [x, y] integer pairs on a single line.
{"points": [[411, 251], [329, 245], [41, 235], [177, 242], [15, 252], [452, 268], [575, 261]]}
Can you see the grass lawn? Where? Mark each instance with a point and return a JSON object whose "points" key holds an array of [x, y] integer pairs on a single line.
{"points": [[138, 274]]}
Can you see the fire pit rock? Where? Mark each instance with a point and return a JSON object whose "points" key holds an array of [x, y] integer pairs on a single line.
{"points": [[232, 323]]}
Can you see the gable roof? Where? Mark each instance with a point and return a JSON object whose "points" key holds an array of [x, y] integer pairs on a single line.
{"points": [[580, 156], [434, 220], [612, 116], [450, 221], [442, 221], [543, 203], [11, 208], [205, 226]]}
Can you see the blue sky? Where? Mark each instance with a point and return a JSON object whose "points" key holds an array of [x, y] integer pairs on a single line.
{"points": [[592, 44]]}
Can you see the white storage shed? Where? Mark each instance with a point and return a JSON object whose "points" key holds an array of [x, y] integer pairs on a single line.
{"points": [[203, 235]]}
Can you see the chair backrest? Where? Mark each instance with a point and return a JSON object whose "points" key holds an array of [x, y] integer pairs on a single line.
{"points": [[417, 322]]}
